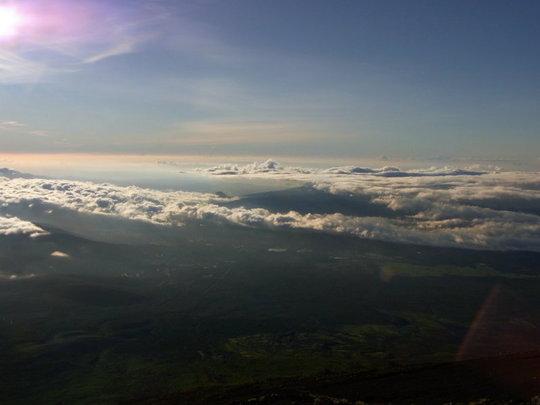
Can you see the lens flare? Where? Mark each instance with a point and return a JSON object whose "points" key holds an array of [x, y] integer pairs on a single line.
{"points": [[10, 20]]}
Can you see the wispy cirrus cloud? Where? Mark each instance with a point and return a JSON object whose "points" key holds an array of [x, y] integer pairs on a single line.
{"points": [[61, 36], [37, 133], [17, 68], [235, 132], [126, 45], [11, 126]]}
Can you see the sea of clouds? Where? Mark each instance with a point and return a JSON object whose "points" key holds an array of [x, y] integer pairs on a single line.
{"points": [[469, 208]]}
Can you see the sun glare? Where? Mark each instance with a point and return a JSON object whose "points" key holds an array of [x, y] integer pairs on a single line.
{"points": [[10, 20]]}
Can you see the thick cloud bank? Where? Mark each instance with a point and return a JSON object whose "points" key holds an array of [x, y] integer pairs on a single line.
{"points": [[13, 225], [444, 207], [133, 203]]}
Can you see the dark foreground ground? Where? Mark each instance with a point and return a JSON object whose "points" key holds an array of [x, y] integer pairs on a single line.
{"points": [[223, 315], [510, 379]]}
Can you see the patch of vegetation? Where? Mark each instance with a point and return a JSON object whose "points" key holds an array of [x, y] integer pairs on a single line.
{"points": [[398, 269]]}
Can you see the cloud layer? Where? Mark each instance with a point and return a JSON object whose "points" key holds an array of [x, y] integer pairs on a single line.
{"points": [[442, 207], [14, 225], [447, 206]]}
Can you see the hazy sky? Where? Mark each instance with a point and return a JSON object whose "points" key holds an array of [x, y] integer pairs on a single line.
{"points": [[273, 77]]}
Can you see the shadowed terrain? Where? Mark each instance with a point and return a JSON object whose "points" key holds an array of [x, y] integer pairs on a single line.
{"points": [[211, 308]]}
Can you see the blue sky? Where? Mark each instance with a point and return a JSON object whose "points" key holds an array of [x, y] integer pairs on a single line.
{"points": [[306, 77]]}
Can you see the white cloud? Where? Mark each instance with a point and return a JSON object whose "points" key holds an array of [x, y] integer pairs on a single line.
{"points": [[20, 128], [14, 225], [254, 168], [16, 68], [57, 253], [16, 276], [271, 166], [126, 45], [12, 123], [268, 166], [129, 202], [37, 133], [488, 211], [471, 207]]}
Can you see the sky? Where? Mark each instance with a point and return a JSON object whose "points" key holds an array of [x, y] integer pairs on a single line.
{"points": [[336, 78]]}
